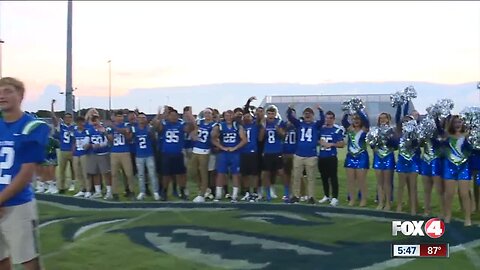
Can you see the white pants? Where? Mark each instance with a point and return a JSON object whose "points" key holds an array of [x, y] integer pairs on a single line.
{"points": [[19, 233]]}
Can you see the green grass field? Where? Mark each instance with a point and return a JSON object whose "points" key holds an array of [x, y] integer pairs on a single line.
{"points": [[87, 234]]}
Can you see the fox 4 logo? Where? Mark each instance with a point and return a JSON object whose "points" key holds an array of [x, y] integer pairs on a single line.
{"points": [[434, 228]]}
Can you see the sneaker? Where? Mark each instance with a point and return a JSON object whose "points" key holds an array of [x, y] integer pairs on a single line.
{"points": [[40, 189], [87, 195], [79, 194], [96, 195], [302, 198], [141, 196], [72, 186], [175, 194], [334, 202], [108, 196], [324, 200], [156, 196], [311, 200], [53, 190], [199, 199], [246, 197], [272, 193], [294, 200], [228, 196], [234, 200]]}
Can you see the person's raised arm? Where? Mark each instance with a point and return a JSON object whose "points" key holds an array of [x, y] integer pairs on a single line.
{"points": [[321, 117], [246, 108], [345, 122], [55, 121], [292, 118]]}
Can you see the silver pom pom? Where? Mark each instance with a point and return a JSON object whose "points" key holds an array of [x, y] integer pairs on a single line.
{"points": [[442, 109], [409, 93], [409, 134], [426, 129], [353, 105], [474, 138], [471, 116], [372, 137], [402, 97], [379, 136]]}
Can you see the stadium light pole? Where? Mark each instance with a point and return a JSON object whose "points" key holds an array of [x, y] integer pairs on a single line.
{"points": [[68, 80]]}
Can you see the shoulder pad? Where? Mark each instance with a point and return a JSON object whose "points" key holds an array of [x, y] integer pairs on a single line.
{"points": [[32, 125]]}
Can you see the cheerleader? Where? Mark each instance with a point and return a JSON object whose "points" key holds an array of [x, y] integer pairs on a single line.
{"points": [[407, 164], [431, 170], [456, 169], [475, 169], [384, 164], [357, 160]]}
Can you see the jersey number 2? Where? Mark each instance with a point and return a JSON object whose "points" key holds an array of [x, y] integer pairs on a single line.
{"points": [[9, 154]]}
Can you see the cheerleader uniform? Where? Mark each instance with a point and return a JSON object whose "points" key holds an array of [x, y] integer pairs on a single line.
{"points": [[383, 157], [357, 156], [408, 160], [455, 164], [431, 160]]}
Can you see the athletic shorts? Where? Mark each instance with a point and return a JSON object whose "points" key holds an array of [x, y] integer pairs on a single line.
{"points": [[248, 164], [228, 162], [272, 162], [98, 164], [19, 233], [173, 164], [455, 172]]}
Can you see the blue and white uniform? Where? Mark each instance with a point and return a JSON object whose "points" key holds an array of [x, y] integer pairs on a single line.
{"points": [[229, 137], [80, 141], [172, 140], [21, 142], [65, 134], [357, 154], [332, 134], [203, 144], [290, 144], [431, 159], [383, 156], [249, 152], [142, 140], [120, 143], [455, 164]]}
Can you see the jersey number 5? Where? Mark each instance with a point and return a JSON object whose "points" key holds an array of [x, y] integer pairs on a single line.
{"points": [[8, 154]]}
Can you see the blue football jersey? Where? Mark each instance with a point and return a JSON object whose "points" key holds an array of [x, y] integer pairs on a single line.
{"points": [[173, 137], [290, 144], [229, 136], [273, 140], [251, 131], [97, 137], [21, 142], [65, 136], [80, 140], [332, 134], [203, 135], [143, 141], [120, 143]]}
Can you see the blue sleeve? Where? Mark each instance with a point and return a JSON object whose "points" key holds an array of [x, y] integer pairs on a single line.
{"points": [[345, 122], [292, 119], [321, 120], [440, 129], [31, 152], [364, 118], [406, 108], [39, 134]]}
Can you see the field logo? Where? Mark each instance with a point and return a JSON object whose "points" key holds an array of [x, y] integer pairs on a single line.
{"points": [[434, 228]]}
